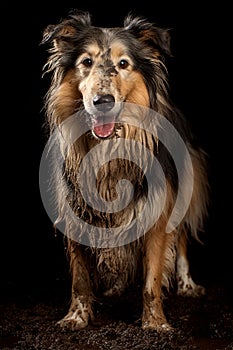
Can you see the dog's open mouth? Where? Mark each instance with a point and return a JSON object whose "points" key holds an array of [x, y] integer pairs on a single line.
{"points": [[103, 126]]}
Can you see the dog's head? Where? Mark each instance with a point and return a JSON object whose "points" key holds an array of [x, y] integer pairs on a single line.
{"points": [[100, 68]]}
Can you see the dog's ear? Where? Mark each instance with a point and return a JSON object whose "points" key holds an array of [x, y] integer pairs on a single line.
{"points": [[146, 32], [60, 36], [63, 35]]}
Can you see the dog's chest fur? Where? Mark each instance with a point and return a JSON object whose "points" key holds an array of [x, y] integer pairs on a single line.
{"points": [[116, 268]]}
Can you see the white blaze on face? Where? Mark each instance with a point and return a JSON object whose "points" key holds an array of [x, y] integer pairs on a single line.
{"points": [[104, 71]]}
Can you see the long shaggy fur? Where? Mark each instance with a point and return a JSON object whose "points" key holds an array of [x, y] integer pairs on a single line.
{"points": [[124, 67]]}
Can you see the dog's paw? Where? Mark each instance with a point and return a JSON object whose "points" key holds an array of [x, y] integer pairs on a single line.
{"points": [[157, 322], [73, 321], [190, 289], [159, 327]]}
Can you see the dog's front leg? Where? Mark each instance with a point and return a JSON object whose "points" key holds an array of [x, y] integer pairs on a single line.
{"points": [[81, 300], [153, 266]]}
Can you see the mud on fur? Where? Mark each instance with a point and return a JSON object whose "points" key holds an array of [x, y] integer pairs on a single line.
{"points": [[98, 72]]}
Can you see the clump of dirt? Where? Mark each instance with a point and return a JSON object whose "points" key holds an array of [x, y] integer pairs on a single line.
{"points": [[29, 322]]}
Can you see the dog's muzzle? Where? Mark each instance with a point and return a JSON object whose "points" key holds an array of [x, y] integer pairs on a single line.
{"points": [[104, 120]]}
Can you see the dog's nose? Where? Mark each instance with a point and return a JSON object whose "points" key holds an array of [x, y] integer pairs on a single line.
{"points": [[104, 103]]}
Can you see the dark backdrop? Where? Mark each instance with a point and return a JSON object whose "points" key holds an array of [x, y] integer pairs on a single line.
{"points": [[32, 258]]}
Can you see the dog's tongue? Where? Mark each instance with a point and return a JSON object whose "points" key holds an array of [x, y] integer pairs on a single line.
{"points": [[103, 126]]}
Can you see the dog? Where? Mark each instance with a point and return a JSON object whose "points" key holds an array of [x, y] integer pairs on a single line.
{"points": [[109, 89]]}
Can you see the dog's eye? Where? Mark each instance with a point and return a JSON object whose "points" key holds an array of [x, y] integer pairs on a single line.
{"points": [[123, 64], [87, 62]]}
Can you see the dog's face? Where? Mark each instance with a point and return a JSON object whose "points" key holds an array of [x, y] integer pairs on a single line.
{"points": [[107, 75], [106, 66]]}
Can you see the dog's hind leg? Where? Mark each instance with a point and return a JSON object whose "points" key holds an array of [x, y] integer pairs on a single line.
{"points": [[157, 248], [186, 285], [81, 302]]}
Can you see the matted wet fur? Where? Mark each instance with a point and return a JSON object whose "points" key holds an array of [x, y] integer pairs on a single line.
{"points": [[98, 72]]}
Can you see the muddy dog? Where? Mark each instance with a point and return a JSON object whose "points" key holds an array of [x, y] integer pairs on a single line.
{"points": [[109, 87]]}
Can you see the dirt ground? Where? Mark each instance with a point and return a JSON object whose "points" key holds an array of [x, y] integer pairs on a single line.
{"points": [[28, 322]]}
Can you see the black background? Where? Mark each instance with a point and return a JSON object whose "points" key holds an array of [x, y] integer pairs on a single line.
{"points": [[201, 85]]}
